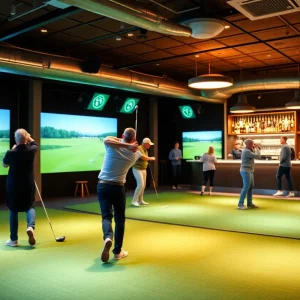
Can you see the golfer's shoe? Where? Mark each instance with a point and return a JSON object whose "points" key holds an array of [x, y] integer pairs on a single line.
{"points": [[174, 187], [279, 193], [291, 194], [105, 251], [12, 243], [121, 255], [135, 204], [143, 203], [31, 238], [242, 207], [252, 205]]}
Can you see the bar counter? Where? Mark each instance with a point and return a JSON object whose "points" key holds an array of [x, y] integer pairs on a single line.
{"points": [[228, 178]]}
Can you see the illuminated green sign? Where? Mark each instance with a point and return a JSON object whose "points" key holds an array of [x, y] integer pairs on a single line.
{"points": [[98, 101], [187, 112], [129, 105]]}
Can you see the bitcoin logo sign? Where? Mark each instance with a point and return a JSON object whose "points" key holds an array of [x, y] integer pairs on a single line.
{"points": [[98, 102]]}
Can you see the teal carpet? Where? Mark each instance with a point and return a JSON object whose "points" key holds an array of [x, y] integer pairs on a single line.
{"points": [[274, 217]]}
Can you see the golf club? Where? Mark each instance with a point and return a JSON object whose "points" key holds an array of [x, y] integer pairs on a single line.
{"points": [[60, 239], [153, 180], [136, 117]]}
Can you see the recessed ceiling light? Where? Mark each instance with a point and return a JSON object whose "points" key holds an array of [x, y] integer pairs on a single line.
{"points": [[44, 30], [118, 38], [269, 55], [196, 55], [157, 64], [130, 34], [226, 26]]}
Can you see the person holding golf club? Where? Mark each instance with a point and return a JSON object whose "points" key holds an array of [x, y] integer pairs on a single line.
{"points": [[120, 156], [139, 171], [20, 186]]}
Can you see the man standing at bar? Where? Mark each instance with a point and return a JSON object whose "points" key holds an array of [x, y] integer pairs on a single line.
{"points": [[120, 156], [176, 156], [20, 188], [250, 152], [139, 171], [284, 168]]}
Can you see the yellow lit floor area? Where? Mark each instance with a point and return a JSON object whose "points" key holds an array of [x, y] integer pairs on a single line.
{"points": [[164, 262]]}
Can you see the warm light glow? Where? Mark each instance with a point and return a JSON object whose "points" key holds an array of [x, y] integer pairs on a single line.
{"points": [[210, 81], [130, 34], [293, 107], [44, 30], [242, 111], [226, 26]]}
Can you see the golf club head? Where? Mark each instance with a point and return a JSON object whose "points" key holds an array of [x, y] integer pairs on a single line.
{"points": [[60, 239]]}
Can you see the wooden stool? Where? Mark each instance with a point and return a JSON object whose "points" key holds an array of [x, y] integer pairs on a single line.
{"points": [[84, 188]]}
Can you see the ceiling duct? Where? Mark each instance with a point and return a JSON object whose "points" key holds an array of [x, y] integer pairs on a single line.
{"points": [[29, 63]]}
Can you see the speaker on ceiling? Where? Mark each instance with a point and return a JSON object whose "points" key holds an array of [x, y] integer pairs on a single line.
{"points": [[91, 65]]}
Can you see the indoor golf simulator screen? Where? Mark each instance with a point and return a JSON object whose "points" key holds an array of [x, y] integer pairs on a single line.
{"points": [[196, 143], [4, 136], [71, 143]]}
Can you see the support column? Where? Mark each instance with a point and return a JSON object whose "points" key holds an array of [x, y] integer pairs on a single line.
{"points": [[225, 150], [34, 125], [153, 124]]}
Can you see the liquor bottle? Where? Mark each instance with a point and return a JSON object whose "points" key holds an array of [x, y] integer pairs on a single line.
{"points": [[289, 123], [282, 124], [285, 124], [258, 125], [241, 126], [232, 126], [292, 123], [247, 125], [277, 124]]}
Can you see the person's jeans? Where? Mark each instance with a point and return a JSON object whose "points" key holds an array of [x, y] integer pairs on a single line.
{"points": [[287, 172], [112, 202], [176, 174], [248, 184], [140, 177], [13, 222]]}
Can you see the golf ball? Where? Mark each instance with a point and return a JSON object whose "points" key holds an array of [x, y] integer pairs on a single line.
{"points": [[166, 206]]}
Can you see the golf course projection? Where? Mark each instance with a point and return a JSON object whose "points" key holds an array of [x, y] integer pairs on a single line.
{"points": [[72, 143], [4, 136], [196, 143]]}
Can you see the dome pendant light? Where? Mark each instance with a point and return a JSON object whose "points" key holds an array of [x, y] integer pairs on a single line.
{"points": [[242, 106], [210, 81], [295, 103]]}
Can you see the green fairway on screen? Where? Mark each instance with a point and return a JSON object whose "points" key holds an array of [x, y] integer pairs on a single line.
{"points": [[196, 143], [4, 136], [72, 143]]}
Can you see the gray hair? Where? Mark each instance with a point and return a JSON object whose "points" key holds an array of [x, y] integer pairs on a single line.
{"points": [[21, 136], [248, 142], [129, 135]]}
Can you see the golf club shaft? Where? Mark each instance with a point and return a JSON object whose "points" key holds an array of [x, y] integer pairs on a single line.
{"points": [[136, 117], [44, 209], [153, 180]]}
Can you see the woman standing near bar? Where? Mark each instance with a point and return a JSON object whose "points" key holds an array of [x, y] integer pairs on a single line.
{"points": [[209, 160]]}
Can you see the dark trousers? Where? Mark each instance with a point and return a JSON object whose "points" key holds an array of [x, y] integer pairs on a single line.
{"points": [[287, 172], [209, 175], [176, 174], [112, 202]]}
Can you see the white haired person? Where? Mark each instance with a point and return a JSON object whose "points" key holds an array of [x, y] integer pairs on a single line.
{"points": [[120, 156], [20, 187], [139, 171], [250, 152]]}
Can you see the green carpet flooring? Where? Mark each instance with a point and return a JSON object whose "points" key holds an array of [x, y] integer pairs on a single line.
{"points": [[165, 262], [274, 217]]}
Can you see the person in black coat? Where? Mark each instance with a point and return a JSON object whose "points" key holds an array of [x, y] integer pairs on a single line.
{"points": [[20, 187]]}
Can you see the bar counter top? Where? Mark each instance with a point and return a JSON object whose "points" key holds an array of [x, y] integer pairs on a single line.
{"points": [[238, 161]]}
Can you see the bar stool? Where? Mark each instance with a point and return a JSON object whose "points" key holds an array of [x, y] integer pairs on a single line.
{"points": [[84, 188]]}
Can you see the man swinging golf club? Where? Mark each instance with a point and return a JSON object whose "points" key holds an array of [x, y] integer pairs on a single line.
{"points": [[120, 156], [139, 171], [20, 186]]}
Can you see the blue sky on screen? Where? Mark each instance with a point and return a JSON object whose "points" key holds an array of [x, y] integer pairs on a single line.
{"points": [[202, 135], [82, 124], [4, 119]]}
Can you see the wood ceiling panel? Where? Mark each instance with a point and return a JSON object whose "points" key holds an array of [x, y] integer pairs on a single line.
{"points": [[269, 55], [237, 40], [164, 43], [87, 32], [62, 24], [60, 39], [88, 49], [254, 48], [278, 61], [293, 18], [182, 50], [85, 16], [251, 26], [111, 25], [240, 60], [229, 32], [274, 33], [149, 36], [288, 43], [253, 65], [186, 40], [116, 53], [158, 55], [291, 51], [138, 49], [235, 17], [178, 62], [203, 46], [225, 53], [113, 43], [203, 57]]}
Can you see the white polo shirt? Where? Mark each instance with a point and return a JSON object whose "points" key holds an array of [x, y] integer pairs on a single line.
{"points": [[117, 162]]}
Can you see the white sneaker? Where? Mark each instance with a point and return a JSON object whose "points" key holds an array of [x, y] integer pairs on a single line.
{"points": [[143, 203], [291, 194], [279, 193], [30, 233], [121, 255], [105, 251], [243, 207], [12, 243], [135, 204], [174, 187]]}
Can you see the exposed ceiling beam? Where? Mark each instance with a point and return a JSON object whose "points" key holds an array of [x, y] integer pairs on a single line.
{"points": [[41, 21]]}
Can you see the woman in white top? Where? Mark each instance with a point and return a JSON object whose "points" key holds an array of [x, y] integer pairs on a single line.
{"points": [[209, 169]]}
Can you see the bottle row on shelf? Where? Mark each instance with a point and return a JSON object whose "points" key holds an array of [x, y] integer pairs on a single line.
{"points": [[275, 123]]}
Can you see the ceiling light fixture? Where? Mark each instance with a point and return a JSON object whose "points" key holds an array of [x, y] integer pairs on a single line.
{"points": [[295, 103], [130, 34], [242, 106], [118, 38], [209, 81], [226, 26], [44, 30]]}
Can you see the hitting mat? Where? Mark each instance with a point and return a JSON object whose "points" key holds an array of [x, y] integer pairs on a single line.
{"points": [[164, 262], [276, 217]]}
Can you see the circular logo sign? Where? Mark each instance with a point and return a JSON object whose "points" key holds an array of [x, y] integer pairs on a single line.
{"points": [[187, 111], [98, 101], [129, 105]]}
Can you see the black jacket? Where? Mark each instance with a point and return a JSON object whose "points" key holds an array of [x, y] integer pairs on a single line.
{"points": [[20, 188]]}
